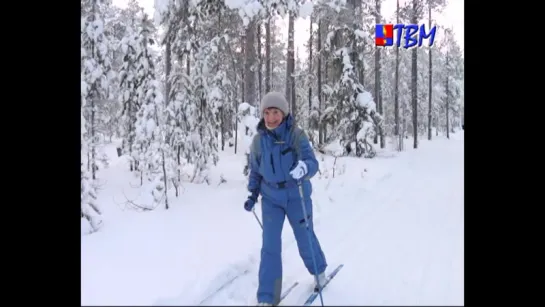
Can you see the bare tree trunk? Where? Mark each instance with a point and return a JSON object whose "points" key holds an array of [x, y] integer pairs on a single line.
{"points": [[448, 97], [251, 60], [414, 81], [236, 132], [179, 162], [184, 13], [221, 111], [94, 97], [168, 68], [310, 39], [290, 66], [260, 66], [235, 98], [319, 73], [396, 89], [268, 55], [243, 73], [325, 70], [429, 78], [378, 87], [249, 75], [188, 64], [223, 133], [165, 179], [362, 73], [93, 140]]}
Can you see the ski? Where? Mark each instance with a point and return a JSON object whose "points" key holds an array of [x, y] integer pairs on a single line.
{"points": [[287, 291], [223, 286], [315, 294]]}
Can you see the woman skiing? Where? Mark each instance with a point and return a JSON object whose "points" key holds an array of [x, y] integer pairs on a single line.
{"points": [[281, 157]]}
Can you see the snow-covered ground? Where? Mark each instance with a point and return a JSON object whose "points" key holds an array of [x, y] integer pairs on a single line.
{"points": [[396, 222]]}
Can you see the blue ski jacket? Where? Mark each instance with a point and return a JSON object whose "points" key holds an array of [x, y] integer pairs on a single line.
{"points": [[273, 154]]}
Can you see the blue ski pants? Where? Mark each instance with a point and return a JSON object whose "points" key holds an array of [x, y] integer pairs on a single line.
{"points": [[273, 217]]}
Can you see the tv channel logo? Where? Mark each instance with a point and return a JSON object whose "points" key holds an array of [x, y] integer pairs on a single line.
{"points": [[413, 35]]}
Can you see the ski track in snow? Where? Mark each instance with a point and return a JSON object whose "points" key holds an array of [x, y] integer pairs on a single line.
{"points": [[400, 221], [399, 234]]}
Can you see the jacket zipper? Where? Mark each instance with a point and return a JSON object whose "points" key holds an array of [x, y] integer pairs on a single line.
{"points": [[272, 164]]}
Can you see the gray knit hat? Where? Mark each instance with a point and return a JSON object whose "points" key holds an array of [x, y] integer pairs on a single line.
{"points": [[274, 100]]}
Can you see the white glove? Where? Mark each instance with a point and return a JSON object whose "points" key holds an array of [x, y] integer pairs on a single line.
{"points": [[299, 171]]}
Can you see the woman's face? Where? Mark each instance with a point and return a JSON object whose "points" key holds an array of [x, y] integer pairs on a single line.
{"points": [[273, 117]]}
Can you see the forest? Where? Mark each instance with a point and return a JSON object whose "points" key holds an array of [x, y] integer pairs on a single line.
{"points": [[177, 87]]}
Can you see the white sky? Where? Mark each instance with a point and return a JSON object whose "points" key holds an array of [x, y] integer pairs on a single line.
{"points": [[452, 16]]}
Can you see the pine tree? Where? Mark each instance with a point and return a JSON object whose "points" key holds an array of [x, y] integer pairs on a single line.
{"points": [[95, 79], [350, 108], [131, 78], [89, 208]]}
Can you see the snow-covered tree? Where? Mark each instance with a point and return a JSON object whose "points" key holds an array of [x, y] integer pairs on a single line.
{"points": [[151, 141], [89, 208], [147, 94], [345, 112], [453, 80], [174, 111], [95, 76], [249, 122], [95, 84], [134, 73], [195, 83]]}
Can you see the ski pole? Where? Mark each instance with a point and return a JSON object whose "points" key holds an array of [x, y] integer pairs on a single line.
{"points": [[257, 218], [301, 194]]}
